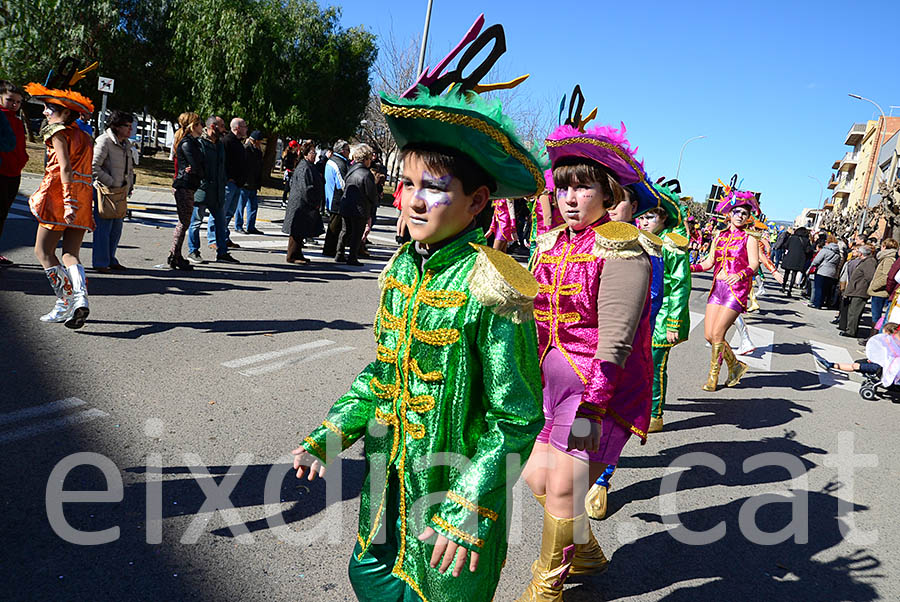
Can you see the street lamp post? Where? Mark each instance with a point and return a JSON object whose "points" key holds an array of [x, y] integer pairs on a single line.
{"points": [[882, 125], [421, 65], [681, 154]]}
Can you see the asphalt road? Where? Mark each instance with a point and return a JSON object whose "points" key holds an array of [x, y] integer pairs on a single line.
{"points": [[191, 381]]}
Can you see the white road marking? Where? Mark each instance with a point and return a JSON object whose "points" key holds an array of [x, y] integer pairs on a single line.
{"points": [[48, 408], [391, 241], [763, 338], [293, 362], [828, 378], [696, 319], [262, 357], [51, 425], [262, 244]]}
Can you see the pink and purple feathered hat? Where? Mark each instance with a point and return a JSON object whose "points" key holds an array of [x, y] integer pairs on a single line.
{"points": [[606, 145], [732, 197]]}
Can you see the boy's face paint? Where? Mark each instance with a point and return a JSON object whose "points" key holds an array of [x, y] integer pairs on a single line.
{"points": [[436, 208], [581, 204], [651, 222], [434, 191]]}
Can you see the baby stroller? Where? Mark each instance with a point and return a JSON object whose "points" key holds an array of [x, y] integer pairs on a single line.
{"points": [[872, 389]]}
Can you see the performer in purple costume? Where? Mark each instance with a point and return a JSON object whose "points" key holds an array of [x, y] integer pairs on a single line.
{"points": [[734, 263]]}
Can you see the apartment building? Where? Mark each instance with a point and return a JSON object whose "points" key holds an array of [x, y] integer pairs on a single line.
{"points": [[852, 182]]}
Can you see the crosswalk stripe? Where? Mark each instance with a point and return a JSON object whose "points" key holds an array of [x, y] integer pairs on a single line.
{"points": [[51, 425], [761, 358], [836, 354], [294, 361], [262, 357], [48, 408]]}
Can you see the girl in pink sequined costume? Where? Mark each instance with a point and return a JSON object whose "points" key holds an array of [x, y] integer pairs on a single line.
{"points": [[734, 263], [592, 317], [503, 224]]}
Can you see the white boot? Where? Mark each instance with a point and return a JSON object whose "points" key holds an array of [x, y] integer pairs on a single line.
{"points": [[746, 345], [62, 287], [80, 308], [762, 288]]}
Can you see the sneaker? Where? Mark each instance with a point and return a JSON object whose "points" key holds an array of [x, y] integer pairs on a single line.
{"points": [[195, 257], [226, 258], [746, 347], [254, 231], [240, 230], [233, 245], [824, 364], [6, 261]]}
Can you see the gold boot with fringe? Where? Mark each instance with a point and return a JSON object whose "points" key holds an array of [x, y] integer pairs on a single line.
{"points": [[589, 557], [550, 570], [736, 368], [715, 364]]}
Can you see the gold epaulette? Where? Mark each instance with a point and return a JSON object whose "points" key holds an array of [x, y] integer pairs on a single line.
{"points": [[651, 243], [500, 283], [546, 240], [621, 240], [675, 242], [390, 264], [49, 130]]}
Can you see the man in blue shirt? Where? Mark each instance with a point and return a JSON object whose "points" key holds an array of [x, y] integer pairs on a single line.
{"points": [[335, 170]]}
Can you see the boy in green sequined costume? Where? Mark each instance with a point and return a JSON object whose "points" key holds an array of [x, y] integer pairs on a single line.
{"points": [[451, 406], [673, 323]]}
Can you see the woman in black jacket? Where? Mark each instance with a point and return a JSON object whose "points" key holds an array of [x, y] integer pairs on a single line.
{"points": [[307, 192], [189, 171], [799, 252]]}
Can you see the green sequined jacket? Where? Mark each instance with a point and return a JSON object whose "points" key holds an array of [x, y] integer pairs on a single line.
{"points": [[674, 313], [451, 406]]}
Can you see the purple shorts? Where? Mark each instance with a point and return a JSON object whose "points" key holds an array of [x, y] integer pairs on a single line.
{"points": [[562, 395], [721, 294]]}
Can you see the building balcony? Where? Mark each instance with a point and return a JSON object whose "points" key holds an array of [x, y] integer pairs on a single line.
{"points": [[832, 183], [856, 134], [849, 161], [843, 189], [836, 164]]}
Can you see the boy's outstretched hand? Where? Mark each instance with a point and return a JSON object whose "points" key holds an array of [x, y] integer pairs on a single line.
{"points": [[303, 461], [449, 550]]}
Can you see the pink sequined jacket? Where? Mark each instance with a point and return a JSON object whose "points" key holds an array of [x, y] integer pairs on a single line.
{"points": [[581, 314], [730, 256]]}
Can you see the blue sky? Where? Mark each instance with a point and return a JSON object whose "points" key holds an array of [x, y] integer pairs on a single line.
{"points": [[765, 81]]}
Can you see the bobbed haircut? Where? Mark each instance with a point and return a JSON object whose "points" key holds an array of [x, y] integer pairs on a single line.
{"points": [[571, 171], [445, 161], [117, 118]]}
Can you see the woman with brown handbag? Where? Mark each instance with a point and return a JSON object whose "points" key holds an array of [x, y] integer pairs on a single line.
{"points": [[113, 170]]}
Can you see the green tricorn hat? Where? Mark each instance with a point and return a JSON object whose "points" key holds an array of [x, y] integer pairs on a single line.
{"points": [[459, 118]]}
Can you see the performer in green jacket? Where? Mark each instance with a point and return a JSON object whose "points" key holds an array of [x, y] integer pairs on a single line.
{"points": [[673, 323], [451, 406]]}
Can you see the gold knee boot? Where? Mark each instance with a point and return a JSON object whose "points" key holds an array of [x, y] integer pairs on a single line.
{"points": [[736, 369], [589, 557], [549, 571], [712, 382]]}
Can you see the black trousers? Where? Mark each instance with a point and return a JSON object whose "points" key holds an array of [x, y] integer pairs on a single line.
{"points": [[352, 229], [9, 188], [329, 248], [789, 277]]}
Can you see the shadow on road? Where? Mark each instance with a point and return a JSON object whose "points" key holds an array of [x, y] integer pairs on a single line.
{"points": [[736, 568], [745, 414], [238, 328]]}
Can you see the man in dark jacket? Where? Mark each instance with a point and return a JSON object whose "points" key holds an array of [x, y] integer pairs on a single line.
{"points": [[210, 196], [356, 204], [799, 252], [235, 173], [857, 290], [780, 245], [336, 169], [249, 198]]}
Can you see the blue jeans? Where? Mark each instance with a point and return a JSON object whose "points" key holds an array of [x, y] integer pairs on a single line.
{"points": [[777, 255], [221, 234], [232, 192], [878, 304], [249, 200], [823, 286], [106, 240]]}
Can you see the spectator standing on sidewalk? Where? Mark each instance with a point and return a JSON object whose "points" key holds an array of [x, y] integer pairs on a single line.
{"points": [[780, 245], [799, 251], [289, 160], [210, 196], [827, 266], [112, 167], [249, 199], [335, 171], [12, 160], [356, 205], [857, 290], [302, 218], [878, 287], [235, 176], [188, 174]]}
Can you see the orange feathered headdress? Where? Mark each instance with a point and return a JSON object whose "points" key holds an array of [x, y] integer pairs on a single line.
{"points": [[67, 98]]}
